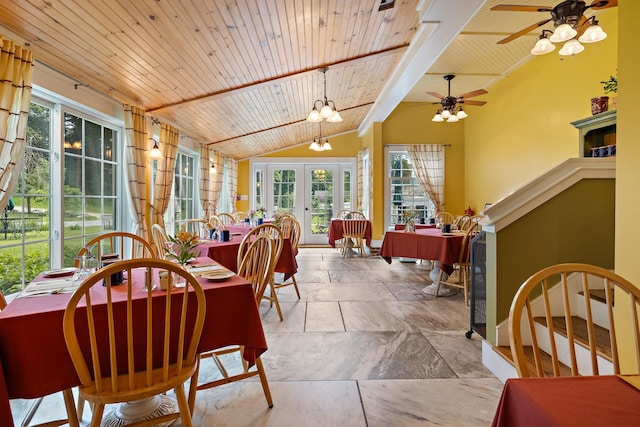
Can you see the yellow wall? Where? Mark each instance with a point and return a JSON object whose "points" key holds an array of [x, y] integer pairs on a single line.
{"points": [[524, 129], [628, 151], [410, 123], [243, 185]]}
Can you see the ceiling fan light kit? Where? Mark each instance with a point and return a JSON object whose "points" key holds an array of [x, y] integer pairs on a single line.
{"points": [[450, 111], [571, 25]]}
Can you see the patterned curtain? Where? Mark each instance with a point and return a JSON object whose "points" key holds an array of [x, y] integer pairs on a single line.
{"points": [[216, 180], [163, 185], [136, 151], [233, 181], [428, 163], [360, 181], [16, 75], [206, 182]]}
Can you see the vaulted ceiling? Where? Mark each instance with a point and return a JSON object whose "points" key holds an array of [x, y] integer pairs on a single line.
{"points": [[242, 75]]}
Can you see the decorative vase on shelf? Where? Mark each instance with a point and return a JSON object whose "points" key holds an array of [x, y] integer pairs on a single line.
{"points": [[410, 226], [599, 105]]}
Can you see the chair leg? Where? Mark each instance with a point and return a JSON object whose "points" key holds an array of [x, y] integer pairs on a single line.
{"points": [[186, 413], [438, 284], [263, 380], [193, 386], [273, 299], [98, 411], [70, 405]]}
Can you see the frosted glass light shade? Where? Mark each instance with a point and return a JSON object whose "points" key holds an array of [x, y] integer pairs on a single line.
{"points": [[563, 33], [543, 46], [461, 114], [437, 118], [326, 112], [314, 116], [593, 34], [335, 117], [572, 47]]}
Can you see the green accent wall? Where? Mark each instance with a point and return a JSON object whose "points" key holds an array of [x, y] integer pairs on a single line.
{"points": [[577, 225]]}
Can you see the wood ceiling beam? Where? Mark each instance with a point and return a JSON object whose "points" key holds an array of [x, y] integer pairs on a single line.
{"points": [[257, 85]]}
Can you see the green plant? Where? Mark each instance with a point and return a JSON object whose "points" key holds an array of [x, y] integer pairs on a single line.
{"points": [[611, 85]]}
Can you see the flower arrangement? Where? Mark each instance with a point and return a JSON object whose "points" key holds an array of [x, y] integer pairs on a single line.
{"points": [[183, 247], [410, 214], [261, 212], [252, 214]]}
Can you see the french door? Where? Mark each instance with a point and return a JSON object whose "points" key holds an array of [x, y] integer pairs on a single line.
{"points": [[313, 192]]}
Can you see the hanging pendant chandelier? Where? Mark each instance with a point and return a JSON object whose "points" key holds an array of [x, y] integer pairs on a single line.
{"points": [[324, 109], [320, 143]]}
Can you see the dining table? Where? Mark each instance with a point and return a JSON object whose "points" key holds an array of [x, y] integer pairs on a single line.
{"points": [[335, 232], [425, 243], [33, 353], [583, 401], [226, 253]]}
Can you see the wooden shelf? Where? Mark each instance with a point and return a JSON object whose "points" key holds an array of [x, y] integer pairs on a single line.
{"points": [[596, 131]]}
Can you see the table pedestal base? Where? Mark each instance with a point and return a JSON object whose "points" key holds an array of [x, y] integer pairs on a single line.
{"points": [[434, 275], [130, 412]]}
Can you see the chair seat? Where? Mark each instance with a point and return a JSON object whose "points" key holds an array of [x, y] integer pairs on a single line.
{"points": [[108, 396]]}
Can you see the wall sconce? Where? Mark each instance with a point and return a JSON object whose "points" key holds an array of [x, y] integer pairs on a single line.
{"points": [[155, 153]]}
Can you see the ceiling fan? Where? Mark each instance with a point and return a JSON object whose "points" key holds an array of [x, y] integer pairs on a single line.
{"points": [[568, 19], [449, 111]]}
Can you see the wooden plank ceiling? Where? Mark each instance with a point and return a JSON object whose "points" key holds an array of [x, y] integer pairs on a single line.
{"points": [[239, 75]]}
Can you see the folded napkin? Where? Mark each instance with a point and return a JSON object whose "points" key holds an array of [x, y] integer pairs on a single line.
{"points": [[205, 268], [47, 287]]}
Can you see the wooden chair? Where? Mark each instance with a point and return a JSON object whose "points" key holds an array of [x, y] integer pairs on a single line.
{"points": [[555, 297], [353, 230], [470, 220], [459, 278], [290, 228], [126, 245], [275, 232], [343, 213], [159, 237], [217, 222], [226, 218], [239, 216], [197, 226], [444, 218], [72, 416], [256, 267], [105, 360]]}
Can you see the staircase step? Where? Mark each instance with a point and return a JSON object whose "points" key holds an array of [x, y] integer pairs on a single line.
{"points": [[603, 343], [598, 295], [547, 366]]}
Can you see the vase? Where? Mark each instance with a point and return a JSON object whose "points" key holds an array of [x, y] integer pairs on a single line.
{"points": [[410, 226], [599, 104]]}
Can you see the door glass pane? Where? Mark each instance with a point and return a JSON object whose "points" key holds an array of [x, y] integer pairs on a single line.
{"points": [[321, 200], [284, 190], [346, 190]]}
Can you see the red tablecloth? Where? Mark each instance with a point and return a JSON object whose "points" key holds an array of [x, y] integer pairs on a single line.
{"points": [[425, 243], [226, 253], [335, 231], [568, 402], [34, 355]]}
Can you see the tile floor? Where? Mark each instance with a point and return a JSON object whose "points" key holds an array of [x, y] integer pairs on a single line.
{"points": [[362, 347]]}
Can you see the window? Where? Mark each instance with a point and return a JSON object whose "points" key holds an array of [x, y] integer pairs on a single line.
{"points": [[90, 182], [25, 244], [346, 190], [184, 189], [284, 190], [405, 191]]}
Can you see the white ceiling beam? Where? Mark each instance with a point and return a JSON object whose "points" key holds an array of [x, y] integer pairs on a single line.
{"points": [[440, 22]]}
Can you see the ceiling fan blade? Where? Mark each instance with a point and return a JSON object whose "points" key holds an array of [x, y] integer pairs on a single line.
{"points": [[435, 94], [473, 93], [471, 102], [523, 31], [521, 8], [581, 27], [603, 4]]}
